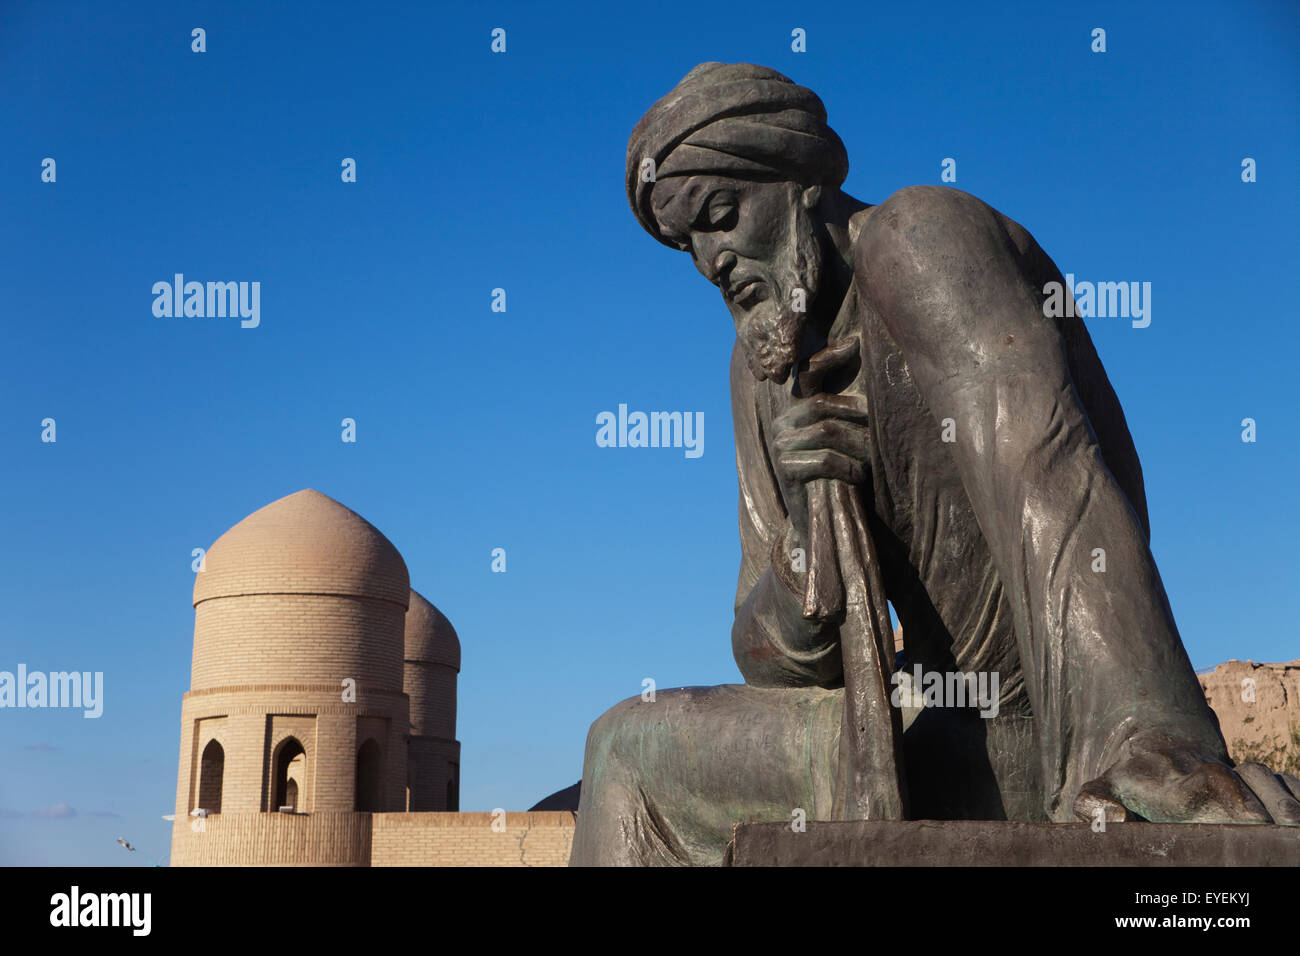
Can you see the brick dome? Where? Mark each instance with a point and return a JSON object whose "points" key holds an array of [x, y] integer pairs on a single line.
{"points": [[303, 591], [432, 660], [306, 543], [430, 638]]}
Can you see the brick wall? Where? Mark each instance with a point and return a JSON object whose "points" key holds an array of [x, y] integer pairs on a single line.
{"points": [[273, 839], [380, 839], [467, 839]]}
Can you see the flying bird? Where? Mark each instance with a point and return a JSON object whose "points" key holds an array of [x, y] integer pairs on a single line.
{"points": [[125, 844]]}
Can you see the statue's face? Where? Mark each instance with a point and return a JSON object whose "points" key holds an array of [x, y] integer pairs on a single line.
{"points": [[755, 241]]}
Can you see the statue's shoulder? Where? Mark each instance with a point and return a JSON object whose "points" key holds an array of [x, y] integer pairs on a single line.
{"points": [[922, 218], [919, 206]]}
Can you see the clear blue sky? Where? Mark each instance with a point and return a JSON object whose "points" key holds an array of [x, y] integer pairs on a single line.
{"points": [[476, 429]]}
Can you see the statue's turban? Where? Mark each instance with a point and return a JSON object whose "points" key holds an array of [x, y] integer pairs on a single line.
{"points": [[733, 119]]}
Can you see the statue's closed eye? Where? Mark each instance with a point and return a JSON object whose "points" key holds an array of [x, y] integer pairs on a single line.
{"points": [[718, 212]]}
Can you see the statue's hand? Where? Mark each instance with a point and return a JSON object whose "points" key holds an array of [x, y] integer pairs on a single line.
{"points": [[821, 436], [1174, 784]]}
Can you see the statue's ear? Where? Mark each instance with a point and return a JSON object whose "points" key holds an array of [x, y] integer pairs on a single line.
{"points": [[811, 196]]}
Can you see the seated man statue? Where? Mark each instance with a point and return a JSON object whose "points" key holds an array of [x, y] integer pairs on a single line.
{"points": [[898, 383]]}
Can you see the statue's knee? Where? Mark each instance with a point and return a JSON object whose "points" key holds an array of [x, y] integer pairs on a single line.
{"points": [[619, 731], [609, 730]]}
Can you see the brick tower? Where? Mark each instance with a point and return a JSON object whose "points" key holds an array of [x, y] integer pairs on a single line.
{"points": [[432, 663], [295, 728]]}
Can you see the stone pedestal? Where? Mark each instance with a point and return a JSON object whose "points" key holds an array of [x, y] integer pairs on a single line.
{"points": [[999, 843]]}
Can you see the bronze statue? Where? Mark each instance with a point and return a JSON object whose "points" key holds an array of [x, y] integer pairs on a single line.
{"points": [[911, 425]]}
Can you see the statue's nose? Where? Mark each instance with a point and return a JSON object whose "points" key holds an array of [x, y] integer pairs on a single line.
{"points": [[723, 263]]}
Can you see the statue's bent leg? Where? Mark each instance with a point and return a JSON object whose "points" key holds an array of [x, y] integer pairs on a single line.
{"points": [[665, 781]]}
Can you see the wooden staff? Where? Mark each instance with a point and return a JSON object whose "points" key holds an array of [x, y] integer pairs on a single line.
{"points": [[844, 575]]}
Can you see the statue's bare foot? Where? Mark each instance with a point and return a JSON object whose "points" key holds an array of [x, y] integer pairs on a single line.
{"points": [[1174, 784]]}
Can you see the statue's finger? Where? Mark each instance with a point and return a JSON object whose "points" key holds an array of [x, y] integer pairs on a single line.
{"points": [[813, 409], [1281, 805], [1292, 783], [822, 463], [841, 436]]}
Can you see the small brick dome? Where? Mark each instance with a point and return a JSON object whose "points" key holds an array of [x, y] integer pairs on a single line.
{"points": [[306, 543], [430, 638]]}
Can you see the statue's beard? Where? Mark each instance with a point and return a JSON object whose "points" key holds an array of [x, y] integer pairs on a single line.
{"points": [[772, 329]]}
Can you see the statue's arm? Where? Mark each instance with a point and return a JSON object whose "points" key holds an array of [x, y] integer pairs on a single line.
{"points": [[1101, 655], [773, 645]]}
